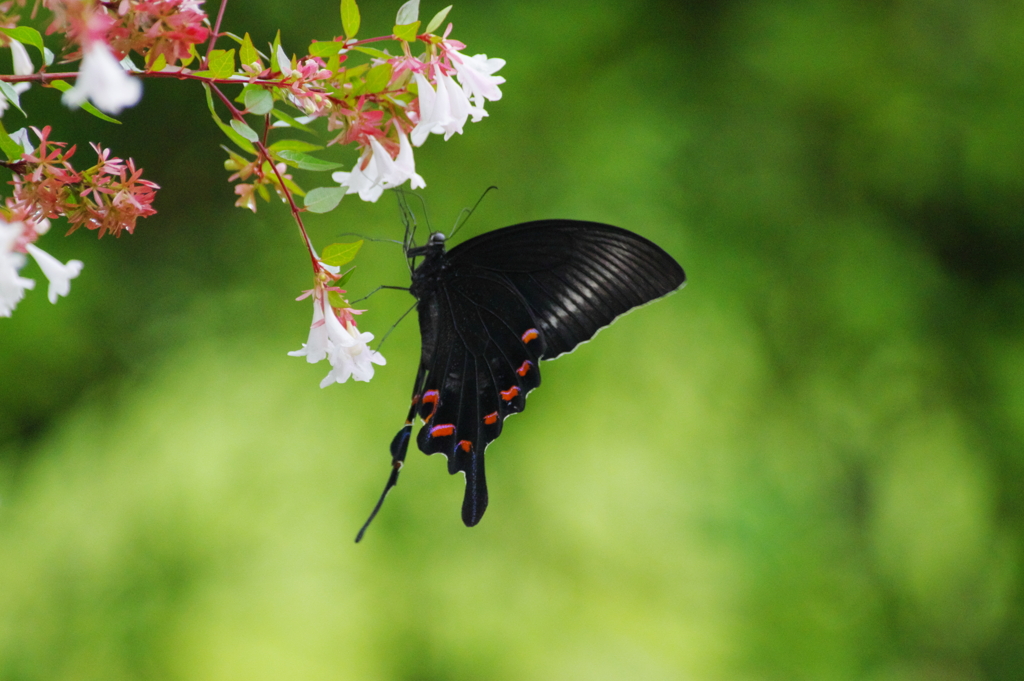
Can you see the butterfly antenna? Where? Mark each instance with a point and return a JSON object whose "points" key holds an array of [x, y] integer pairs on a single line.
{"points": [[370, 238], [465, 214], [395, 325], [408, 217]]}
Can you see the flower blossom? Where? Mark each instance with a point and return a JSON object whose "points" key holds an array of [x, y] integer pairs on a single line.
{"points": [[444, 110], [12, 286], [376, 171], [22, 67], [334, 336], [59, 274], [103, 80], [476, 76]]}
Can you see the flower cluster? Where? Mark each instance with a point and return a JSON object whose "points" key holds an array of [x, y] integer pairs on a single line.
{"points": [[151, 28], [163, 31], [441, 106], [333, 335], [108, 197], [384, 104], [394, 107]]}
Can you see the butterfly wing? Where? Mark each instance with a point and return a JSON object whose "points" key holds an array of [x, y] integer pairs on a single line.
{"points": [[480, 352], [576, 277]]}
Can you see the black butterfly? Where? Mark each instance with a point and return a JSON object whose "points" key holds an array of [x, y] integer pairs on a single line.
{"points": [[493, 307]]}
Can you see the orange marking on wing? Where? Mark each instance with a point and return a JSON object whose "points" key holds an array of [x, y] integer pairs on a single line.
{"points": [[491, 418], [530, 334], [442, 430], [430, 397], [524, 368], [507, 395], [466, 445]]}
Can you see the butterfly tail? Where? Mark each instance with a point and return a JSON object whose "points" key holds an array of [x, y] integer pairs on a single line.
{"points": [[475, 502]]}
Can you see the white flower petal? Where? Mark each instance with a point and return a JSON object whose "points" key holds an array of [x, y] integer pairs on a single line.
{"points": [[458, 106], [104, 81], [60, 274], [12, 286], [427, 99], [475, 75], [22, 62], [406, 163]]}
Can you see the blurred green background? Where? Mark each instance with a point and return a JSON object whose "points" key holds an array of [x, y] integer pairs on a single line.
{"points": [[806, 465]]}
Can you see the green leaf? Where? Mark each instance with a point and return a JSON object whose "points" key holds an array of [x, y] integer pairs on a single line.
{"points": [[274, 66], [378, 78], [64, 86], [307, 162], [323, 199], [12, 150], [29, 36], [291, 122], [244, 130], [294, 145], [372, 51], [247, 54], [408, 13], [437, 20], [340, 254], [12, 96], [350, 18], [344, 278], [257, 100], [159, 64], [326, 48], [406, 32], [235, 137], [336, 299], [222, 63]]}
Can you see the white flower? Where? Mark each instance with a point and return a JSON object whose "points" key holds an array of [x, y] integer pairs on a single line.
{"points": [[458, 105], [362, 181], [103, 80], [476, 76], [22, 67], [315, 348], [59, 274], [406, 164], [12, 286], [442, 111], [344, 346], [21, 137], [354, 359], [431, 120], [381, 171]]}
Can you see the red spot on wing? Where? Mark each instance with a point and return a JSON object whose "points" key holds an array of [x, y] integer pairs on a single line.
{"points": [[430, 397], [491, 418], [530, 334], [507, 395], [442, 430], [466, 445], [524, 368]]}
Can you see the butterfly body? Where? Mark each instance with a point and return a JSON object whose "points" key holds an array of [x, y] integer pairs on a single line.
{"points": [[496, 305]]}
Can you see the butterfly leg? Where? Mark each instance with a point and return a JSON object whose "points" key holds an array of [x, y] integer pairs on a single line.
{"points": [[399, 448]]}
